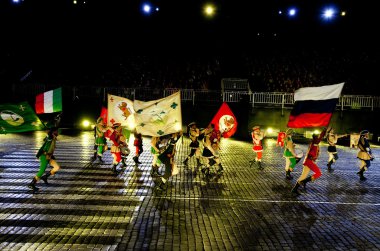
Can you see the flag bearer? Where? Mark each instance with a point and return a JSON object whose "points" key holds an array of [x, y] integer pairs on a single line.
{"points": [[46, 157]]}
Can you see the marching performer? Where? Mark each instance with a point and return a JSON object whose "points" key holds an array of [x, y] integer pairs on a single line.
{"points": [[332, 139], [46, 157], [257, 137], [289, 153], [118, 141], [309, 163], [194, 133], [100, 140], [167, 158], [364, 154]]}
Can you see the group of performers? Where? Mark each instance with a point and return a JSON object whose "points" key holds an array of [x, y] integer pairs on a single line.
{"points": [[292, 158], [163, 150]]}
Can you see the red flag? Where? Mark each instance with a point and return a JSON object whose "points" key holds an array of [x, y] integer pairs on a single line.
{"points": [[103, 114], [225, 121]]}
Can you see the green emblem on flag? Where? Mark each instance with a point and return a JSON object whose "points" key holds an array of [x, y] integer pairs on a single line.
{"points": [[174, 105], [18, 118]]}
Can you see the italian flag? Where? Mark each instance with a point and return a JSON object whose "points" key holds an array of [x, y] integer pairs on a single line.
{"points": [[49, 102]]}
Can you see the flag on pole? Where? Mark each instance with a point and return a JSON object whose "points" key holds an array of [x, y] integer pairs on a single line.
{"points": [[225, 121], [49, 102], [314, 106], [104, 114], [120, 110], [159, 117], [18, 118]]}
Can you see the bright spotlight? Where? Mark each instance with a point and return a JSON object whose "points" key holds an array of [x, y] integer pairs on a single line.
{"points": [[15, 1], [85, 123], [292, 12], [209, 10], [329, 13], [146, 8], [269, 130]]}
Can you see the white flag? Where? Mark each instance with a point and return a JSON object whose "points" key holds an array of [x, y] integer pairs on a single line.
{"points": [[120, 110], [159, 117]]}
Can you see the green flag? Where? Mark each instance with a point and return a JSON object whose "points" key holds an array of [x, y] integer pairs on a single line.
{"points": [[18, 118]]}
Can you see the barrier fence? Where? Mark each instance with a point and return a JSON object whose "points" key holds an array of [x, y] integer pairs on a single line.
{"points": [[278, 99]]}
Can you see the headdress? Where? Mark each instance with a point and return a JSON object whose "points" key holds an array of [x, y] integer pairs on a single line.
{"points": [[255, 128], [364, 132], [116, 125]]}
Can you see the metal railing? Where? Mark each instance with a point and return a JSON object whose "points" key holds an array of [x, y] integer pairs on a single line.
{"points": [[277, 99]]}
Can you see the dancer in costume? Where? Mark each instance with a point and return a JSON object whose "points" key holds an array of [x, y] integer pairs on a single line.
{"points": [[155, 150], [100, 140], [167, 158], [138, 143], [257, 137], [364, 154], [309, 163], [211, 152], [46, 157], [289, 154], [332, 139], [118, 141], [194, 133]]}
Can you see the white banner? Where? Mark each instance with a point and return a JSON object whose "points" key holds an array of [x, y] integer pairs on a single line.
{"points": [[158, 117]]}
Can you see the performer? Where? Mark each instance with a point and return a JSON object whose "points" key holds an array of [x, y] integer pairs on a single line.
{"points": [[118, 141], [155, 150], [289, 153], [211, 152], [309, 163], [167, 158], [257, 137], [364, 154], [332, 139], [100, 140], [46, 157], [138, 143], [194, 133]]}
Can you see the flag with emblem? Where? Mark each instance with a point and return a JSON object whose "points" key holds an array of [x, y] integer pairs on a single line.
{"points": [[120, 110], [18, 118], [314, 106], [49, 102], [159, 117], [225, 121]]}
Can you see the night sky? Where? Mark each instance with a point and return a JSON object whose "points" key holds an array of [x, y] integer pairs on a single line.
{"points": [[96, 34]]}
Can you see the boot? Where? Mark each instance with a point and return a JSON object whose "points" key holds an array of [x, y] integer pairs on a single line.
{"points": [[161, 185], [295, 189], [93, 158], [32, 185], [136, 160], [259, 165], [100, 159], [220, 170], [154, 172], [329, 165], [114, 169], [288, 176], [198, 163], [185, 161], [303, 182], [361, 173], [45, 177], [123, 162]]}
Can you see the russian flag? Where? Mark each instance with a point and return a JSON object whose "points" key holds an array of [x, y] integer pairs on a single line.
{"points": [[314, 106]]}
